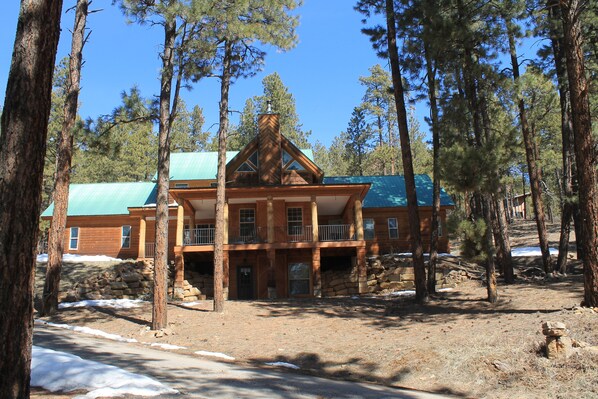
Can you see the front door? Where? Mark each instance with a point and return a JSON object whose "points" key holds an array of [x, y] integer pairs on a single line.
{"points": [[245, 282]]}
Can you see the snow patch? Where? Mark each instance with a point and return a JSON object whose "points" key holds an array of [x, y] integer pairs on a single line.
{"points": [[165, 346], [59, 371], [188, 304], [87, 330], [72, 258], [103, 303], [531, 251], [284, 364], [403, 293], [215, 354]]}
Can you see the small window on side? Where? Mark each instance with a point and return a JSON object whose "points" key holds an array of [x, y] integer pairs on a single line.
{"points": [[368, 229], [74, 238], [125, 240], [393, 228], [181, 185]]}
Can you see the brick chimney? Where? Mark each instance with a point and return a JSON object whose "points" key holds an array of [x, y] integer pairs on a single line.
{"points": [[270, 152]]}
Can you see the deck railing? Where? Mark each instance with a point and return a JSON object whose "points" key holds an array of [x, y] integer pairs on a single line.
{"points": [[298, 233], [200, 236], [150, 249], [334, 232]]}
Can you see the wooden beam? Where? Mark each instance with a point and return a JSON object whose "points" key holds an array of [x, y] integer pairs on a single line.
{"points": [[314, 219], [270, 220], [142, 229], [180, 225], [358, 219], [316, 272]]}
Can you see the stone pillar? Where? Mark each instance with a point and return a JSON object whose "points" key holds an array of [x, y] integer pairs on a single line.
{"points": [[314, 219], [179, 274], [142, 228], [225, 233], [558, 342], [358, 219], [180, 225], [270, 220], [271, 273], [362, 271], [316, 271]]}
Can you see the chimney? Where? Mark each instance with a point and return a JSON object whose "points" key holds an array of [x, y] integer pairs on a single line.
{"points": [[270, 152]]}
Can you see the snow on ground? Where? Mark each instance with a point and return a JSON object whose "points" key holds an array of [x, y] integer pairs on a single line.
{"points": [[188, 304], [59, 371], [440, 254], [104, 303], [412, 292], [70, 258], [87, 330], [284, 364], [531, 251], [215, 354], [165, 346]]}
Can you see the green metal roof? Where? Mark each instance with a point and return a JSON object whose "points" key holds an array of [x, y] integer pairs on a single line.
{"points": [[202, 165], [389, 191], [107, 198]]}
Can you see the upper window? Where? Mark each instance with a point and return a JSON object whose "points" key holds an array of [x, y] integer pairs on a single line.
{"points": [[286, 158], [125, 239], [253, 158], [181, 185], [247, 222], [295, 220], [393, 228], [368, 229], [245, 167], [295, 166], [74, 238]]}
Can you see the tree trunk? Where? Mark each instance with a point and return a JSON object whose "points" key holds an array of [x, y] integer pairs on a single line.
{"points": [[23, 133], [159, 314], [63, 165], [490, 265], [431, 72], [421, 293], [221, 178], [531, 151], [585, 147], [501, 228]]}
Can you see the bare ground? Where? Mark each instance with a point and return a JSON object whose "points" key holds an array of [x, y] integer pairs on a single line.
{"points": [[458, 343]]}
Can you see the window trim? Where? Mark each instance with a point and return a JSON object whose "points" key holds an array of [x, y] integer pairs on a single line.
{"points": [[390, 229], [71, 238], [123, 236]]}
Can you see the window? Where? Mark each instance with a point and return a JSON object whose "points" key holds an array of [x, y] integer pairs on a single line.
{"points": [[295, 221], [126, 237], [245, 167], [286, 158], [181, 185], [295, 166], [253, 159], [368, 229], [393, 228], [298, 279], [74, 238], [247, 222]]}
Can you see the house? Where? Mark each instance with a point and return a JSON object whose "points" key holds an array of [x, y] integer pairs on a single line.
{"points": [[286, 221]]}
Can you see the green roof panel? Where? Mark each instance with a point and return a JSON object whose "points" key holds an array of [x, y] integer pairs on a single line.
{"points": [[389, 191], [107, 198]]}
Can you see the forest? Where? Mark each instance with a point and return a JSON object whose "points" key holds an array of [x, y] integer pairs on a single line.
{"points": [[501, 123]]}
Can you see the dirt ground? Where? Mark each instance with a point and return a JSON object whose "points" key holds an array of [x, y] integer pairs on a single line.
{"points": [[458, 343]]}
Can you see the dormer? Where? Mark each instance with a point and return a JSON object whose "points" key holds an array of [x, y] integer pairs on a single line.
{"points": [[271, 159]]}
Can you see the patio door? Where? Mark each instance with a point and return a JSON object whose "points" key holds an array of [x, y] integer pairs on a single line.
{"points": [[245, 282]]}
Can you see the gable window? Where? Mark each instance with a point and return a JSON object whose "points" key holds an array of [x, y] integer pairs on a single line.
{"points": [[393, 228], [295, 166], [253, 159], [181, 185], [368, 229], [286, 158], [125, 240], [298, 279], [295, 221], [247, 222], [74, 238]]}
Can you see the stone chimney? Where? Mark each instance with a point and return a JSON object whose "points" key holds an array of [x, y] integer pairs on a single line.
{"points": [[270, 152]]}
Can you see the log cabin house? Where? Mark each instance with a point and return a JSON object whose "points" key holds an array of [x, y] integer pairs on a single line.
{"points": [[286, 221]]}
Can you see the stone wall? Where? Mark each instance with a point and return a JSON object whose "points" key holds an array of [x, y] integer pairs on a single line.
{"points": [[388, 273]]}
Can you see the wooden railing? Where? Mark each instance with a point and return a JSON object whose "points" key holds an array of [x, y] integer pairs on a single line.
{"points": [[335, 232], [150, 249], [204, 236]]}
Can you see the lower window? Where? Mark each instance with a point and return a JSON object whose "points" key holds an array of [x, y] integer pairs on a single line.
{"points": [[298, 279], [125, 238]]}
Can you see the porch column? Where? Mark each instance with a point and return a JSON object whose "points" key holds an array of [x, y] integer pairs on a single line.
{"points": [[362, 271], [358, 219], [192, 227], [180, 225], [317, 274], [270, 220], [314, 219], [226, 274], [271, 273], [142, 228], [225, 233]]}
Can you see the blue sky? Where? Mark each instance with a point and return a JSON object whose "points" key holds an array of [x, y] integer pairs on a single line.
{"points": [[322, 71]]}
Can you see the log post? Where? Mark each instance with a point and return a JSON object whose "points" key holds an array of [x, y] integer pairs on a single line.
{"points": [[317, 274], [225, 233], [314, 219], [180, 225], [142, 229], [270, 221], [358, 219], [362, 270]]}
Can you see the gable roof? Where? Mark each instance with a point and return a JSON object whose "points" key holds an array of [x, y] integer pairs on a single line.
{"points": [[202, 165], [107, 198], [389, 191]]}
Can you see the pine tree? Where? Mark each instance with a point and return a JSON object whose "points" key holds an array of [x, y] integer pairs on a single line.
{"points": [[23, 134], [357, 141]]}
